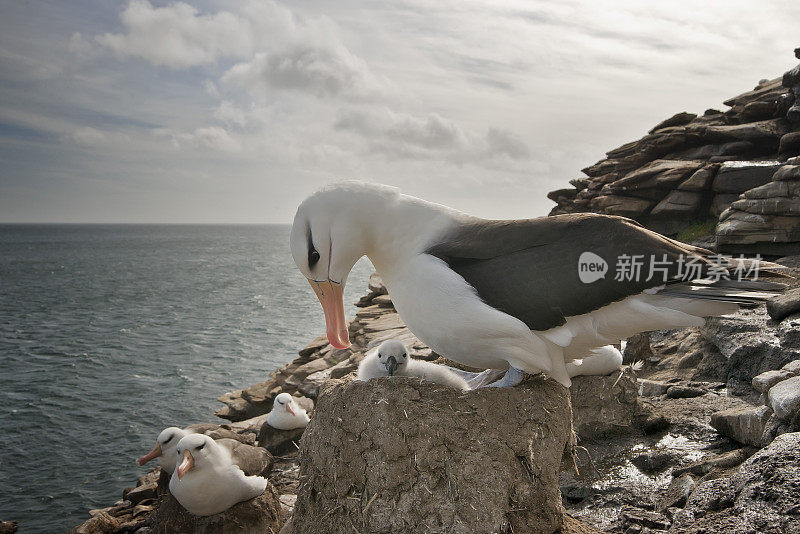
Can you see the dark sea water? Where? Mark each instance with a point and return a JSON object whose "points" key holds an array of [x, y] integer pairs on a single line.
{"points": [[110, 333]]}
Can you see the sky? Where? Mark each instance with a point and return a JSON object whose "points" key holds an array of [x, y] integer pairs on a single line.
{"points": [[234, 111]]}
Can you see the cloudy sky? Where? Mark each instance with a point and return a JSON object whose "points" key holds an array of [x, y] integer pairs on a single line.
{"points": [[235, 110]]}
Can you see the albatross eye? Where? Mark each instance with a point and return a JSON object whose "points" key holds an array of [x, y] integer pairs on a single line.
{"points": [[313, 257], [200, 446]]}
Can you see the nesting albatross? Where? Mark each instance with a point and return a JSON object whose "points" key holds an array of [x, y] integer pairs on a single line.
{"points": [[509, 294]]}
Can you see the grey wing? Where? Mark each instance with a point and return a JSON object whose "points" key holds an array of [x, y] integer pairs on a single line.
{"points": [[529, 268], [251, 460]]}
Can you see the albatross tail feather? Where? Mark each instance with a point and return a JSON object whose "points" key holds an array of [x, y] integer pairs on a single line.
{"points": [[732, 291]]}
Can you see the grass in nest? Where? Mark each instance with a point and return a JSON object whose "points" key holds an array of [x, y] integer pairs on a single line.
{"points": [[696, 230]]}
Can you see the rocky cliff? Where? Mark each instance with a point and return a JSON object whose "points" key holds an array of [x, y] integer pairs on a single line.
{"points": [[736, 170]]}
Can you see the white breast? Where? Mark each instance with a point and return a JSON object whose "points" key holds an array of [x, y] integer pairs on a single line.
{"points": [[443, 311]]}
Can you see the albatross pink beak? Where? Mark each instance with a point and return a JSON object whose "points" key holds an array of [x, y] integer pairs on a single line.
{"points": [[186, 464], [155, 453], [330, 296]]}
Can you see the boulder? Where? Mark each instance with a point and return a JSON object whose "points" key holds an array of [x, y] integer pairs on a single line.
{"points": [[403, 456], [652, 388], [784, 398], [679, 203], [101, 522], [793, 367], [787, 172], [260, 515], [619, 205], [376, 284], [745, 425], [790, 143], [279, 441], [762, 132], [769, 206], [659, 174], [654, 461], [679, 119], [677, 493], [741, 228], [8, 527], [604, 405], [721, 202], [767, 487], [739, 176], [763, 382], [700, 180], [751, 344]]}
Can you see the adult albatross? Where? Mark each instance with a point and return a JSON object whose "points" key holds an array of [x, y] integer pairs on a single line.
{"points": [[509, 294]]}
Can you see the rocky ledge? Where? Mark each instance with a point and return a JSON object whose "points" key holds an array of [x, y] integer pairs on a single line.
{"points": [[669, 447], [737, 168]]}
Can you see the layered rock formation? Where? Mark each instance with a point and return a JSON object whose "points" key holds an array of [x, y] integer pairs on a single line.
{"points": [[693, 168]]}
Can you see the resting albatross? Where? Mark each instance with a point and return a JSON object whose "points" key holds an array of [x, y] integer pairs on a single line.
{"points": [[507, 294]]}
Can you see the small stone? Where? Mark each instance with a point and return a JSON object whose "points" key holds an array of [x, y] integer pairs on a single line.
{"points": [[784, 304], [653, 461], [784, 398], [684, 392], [384, 301], [745, 425], [677, 493], [655, 423], [376, 284], [793, 367], [644, 518], [651, 388], [140, 493], [763, 382]]}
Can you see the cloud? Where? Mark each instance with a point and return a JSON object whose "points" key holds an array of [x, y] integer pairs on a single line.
{"points": [[89, 136], [324, 71], [210, 137], [178, 35], [406, 136]]}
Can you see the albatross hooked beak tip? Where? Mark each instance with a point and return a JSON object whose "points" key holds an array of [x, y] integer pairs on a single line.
{"points": [[186, 464], [330, 295], [155, 453], [391, 365]]}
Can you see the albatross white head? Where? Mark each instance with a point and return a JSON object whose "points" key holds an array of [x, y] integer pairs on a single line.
{"points": [[331, 231], [393, 355], [166, 444], [196, 451]]}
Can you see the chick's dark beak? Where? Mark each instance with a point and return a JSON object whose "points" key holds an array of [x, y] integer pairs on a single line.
{"points": [[391, 365]]}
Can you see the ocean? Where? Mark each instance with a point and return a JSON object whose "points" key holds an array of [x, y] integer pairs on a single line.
{"points": [[109, 333]]}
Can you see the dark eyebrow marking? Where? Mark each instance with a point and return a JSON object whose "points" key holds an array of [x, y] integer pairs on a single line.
{"points": [[313, 255]]}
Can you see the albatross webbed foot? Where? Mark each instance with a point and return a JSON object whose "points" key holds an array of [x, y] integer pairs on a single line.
{"points": [[477, 380], [512, 378]]}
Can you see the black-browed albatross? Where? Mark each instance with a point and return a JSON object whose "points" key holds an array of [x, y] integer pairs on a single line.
{"points": [[508, 294]]}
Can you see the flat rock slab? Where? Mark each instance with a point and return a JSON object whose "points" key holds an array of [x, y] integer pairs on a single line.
{"points": [[405, 456]]}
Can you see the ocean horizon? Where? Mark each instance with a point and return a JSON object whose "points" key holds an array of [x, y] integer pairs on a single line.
{"points": [[111, 332]]}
